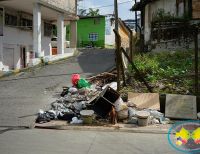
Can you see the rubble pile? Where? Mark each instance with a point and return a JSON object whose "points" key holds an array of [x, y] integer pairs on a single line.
{"points": [[103, 78], [96, 99]]}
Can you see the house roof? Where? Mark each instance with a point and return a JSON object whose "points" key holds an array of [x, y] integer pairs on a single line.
{"points": [[86, 17], [140, 5]]}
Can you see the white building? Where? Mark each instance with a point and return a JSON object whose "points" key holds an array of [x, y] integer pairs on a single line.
{"points": [[109, 34], [26, 30], [162, 23]]}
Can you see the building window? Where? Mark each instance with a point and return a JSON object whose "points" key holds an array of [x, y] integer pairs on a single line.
{"points": [[1, 21], [10, 20], [26, 23], [48, 29], [93, 37]]}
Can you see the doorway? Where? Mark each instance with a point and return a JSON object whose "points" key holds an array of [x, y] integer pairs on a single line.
{"points": [[23, 57]]}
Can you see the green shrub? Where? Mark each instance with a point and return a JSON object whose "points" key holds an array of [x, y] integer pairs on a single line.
{"points": [[170, 66]]}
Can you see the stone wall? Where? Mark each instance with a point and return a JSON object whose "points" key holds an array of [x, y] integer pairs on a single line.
{"points": [[172, 36]]}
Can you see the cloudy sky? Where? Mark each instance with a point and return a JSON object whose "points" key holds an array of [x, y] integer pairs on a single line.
{"points": [[124, 7]]}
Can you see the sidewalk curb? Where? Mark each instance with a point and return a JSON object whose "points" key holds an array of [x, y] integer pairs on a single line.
{"points": [[76, 53], [107, 129], [17, 71]]}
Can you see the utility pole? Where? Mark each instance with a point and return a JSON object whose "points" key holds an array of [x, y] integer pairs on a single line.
{"points": [[117, 44], [116, 15], [136, 18], [196, 61]]}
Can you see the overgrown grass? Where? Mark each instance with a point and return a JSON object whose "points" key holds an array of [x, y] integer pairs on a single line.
{"points": [[167, 71]]}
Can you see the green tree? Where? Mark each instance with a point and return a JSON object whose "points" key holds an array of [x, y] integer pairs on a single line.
{"points": [[93, 12]]}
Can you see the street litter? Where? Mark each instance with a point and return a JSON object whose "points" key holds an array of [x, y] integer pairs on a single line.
{"points": [[143, 118], [87, 116], [75, 120], [113, 85], [198, 115], [93, 100]]}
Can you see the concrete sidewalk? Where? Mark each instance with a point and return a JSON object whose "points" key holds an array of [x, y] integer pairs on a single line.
{"points": [[130, 128], [47, 61], [36, 141]]}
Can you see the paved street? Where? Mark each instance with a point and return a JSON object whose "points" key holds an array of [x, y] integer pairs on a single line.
{"points": [[77, 142], [21, 96]]}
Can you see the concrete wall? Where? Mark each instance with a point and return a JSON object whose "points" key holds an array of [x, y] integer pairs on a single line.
{"points": [[110, 35], [151, 9], [165, 45], [68, 5], [110, 39], [15, 38]]}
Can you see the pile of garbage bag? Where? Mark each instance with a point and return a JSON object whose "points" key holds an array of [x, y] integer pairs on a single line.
{"points": [[102, 100]]}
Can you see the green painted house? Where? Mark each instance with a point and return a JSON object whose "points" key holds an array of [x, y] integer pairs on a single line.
{"points": [[91, 31]]}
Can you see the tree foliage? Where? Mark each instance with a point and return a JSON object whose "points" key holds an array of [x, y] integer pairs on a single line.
{"points": [[93, 12]]}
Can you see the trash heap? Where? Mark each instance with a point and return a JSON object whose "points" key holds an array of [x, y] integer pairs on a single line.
{"points": [[96, 99]]}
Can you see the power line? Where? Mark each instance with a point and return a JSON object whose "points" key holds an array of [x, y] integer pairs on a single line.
{"points": [[109, 5]]}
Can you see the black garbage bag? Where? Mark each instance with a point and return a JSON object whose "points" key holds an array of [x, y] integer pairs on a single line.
{"points": [[65, 91], [43, 118], [66, 116]]}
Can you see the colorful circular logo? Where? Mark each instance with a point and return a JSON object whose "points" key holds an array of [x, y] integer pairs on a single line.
{"points": [[185, 136]]}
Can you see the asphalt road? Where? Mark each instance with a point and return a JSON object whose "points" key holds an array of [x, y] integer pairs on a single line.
{"points": [[78, 142], [21, 96]]}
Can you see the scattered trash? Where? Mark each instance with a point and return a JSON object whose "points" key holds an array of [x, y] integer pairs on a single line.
{"points": [[165, 121], [198, 115], [102, 79], [87, 116], [143, 118], [66, 116], [123, 114], [155, 113], [133, 120], [43, 117], [96, 100], [75, 78], [102, 107], [75, 120], [65, 91], [83, 91], [105, 102], [155, 121], [52, 114], [113, 85], [110, 94], [131, 112], [120, 105], [82, 83], [73, 90]]}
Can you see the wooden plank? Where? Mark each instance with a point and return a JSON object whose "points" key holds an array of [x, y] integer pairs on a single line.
{"points": [[181, 106], [145, 100], [141, 78], [196, 9]]}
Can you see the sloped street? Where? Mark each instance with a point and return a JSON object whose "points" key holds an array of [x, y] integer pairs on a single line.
{"points": [[23, 94]]}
